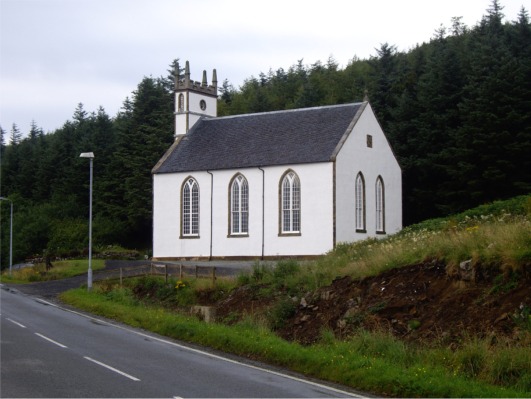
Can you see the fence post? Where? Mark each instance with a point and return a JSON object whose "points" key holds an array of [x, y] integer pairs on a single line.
{"points": [[195, 271], [213, 276], [166, 272], [180, 271]]}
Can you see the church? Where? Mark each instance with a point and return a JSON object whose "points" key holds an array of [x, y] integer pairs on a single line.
{"points": [[291, 183]]}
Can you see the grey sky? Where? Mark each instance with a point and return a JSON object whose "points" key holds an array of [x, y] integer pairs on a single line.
{"points": [[55, 54]]}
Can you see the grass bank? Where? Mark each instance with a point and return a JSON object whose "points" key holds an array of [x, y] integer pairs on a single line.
{"points": [[60, 270], [497, 235], [370, 362]]}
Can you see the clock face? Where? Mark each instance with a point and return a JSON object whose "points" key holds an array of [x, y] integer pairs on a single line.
{"points": [[202, 104]]}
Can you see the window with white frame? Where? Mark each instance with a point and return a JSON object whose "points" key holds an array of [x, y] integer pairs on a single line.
{"points": [[190, 208], [360, 203], [380, 205], [290, 200], [239, 200]]}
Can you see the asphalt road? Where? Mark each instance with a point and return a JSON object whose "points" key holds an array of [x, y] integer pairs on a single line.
{"points": [[50, 351]]}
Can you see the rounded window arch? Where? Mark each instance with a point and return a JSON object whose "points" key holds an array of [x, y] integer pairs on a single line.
{"points": [[360, 203], [239, 205], [190, 208], [290, 203]]}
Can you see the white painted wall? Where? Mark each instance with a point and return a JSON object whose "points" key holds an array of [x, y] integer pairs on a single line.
{"points": [[379, 160], [316, 214], [316, 211]]}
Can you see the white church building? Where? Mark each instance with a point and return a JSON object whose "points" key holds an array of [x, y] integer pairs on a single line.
{"points": [[276, 184]]}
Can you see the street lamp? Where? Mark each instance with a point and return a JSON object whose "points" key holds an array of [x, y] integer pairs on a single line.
{"points": [[10, 235], [89, 155]]}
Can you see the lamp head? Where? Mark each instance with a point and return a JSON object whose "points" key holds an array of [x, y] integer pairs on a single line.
{"points": [[87, 155]]}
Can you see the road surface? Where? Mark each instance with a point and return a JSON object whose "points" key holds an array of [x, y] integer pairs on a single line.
{"points": [[50, 351]]}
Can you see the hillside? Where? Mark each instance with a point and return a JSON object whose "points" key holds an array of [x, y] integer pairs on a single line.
{"points": [[476, 286], [422, 303]]}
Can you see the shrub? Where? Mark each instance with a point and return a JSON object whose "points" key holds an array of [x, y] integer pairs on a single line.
{"points": [[281, 312]]}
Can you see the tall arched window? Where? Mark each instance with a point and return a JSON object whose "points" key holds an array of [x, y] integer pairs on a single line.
{"points": [[190, 208], [360, 203], [290, 202], [239, 206], [380, 205], [180, 103]]}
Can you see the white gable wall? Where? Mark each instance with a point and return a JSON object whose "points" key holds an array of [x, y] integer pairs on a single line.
{"points": [[316, 214], [354, 157]]}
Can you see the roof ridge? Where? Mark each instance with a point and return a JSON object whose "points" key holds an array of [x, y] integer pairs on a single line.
{"points": [[206, 118]]}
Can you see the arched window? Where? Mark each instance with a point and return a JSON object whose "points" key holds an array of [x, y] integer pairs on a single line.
{"points": [[290, 202], [380, 205], [180, 103], [360, 203], [190, 208], [239, 206]]}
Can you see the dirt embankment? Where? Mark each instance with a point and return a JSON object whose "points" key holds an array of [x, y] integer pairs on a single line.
{"points": [[424, 302]]}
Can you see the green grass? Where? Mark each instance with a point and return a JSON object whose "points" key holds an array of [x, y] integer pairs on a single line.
{"points": [[372, 362], [496, 235], [60, 270]]}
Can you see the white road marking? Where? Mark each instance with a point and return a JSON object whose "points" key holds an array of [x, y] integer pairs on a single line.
{"points": [[46, 302], [17, 323], [313, 383], [112, 368], [51, 340]]}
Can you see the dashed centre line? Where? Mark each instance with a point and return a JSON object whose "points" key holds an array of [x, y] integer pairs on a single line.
{"points": [[16, 322], [112, 368], [51, 340]]}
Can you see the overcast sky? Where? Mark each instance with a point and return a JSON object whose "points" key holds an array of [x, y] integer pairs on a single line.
{"points": [[55, 54]]}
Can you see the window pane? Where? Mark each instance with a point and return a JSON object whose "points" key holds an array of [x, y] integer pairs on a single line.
{"points": [[245, 222], [239, 205], [235, 222], [195, 209], [286, 221], [190, 208], [296, 214], [186, 210], [244, 196], [296, 195], [291, 203], [235, 196], [359, 206], [379, 206]]}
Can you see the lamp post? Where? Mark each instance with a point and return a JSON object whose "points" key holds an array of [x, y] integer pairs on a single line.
{"points": [[10, 235], [89, 155]]}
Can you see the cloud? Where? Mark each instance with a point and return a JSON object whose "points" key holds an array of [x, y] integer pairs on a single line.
{"points": [[57, 53]]}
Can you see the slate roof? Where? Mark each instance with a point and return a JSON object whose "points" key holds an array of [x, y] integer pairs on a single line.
{"points": [[304, 135]]}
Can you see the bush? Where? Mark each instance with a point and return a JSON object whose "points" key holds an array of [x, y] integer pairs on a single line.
{"points": [[281, 312]]}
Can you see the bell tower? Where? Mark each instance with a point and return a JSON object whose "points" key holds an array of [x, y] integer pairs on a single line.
{"points": [[193, 99]]}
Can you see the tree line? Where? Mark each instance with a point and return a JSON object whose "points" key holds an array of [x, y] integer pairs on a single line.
{"points": [[456, 111]]}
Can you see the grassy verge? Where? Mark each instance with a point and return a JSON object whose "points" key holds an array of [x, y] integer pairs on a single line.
{"points": [[496, 235], [371, 362], [60, 270]]}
